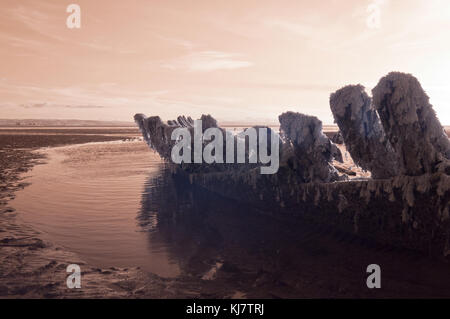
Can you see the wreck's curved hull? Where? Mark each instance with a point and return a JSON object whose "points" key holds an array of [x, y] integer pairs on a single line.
{"points": [[404, 211]]}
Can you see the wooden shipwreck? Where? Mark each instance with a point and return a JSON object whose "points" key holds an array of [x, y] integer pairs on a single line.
{"points": [[395, 136]]}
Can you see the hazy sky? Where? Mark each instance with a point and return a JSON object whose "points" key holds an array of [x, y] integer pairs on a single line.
{"points": [[237, 60]]}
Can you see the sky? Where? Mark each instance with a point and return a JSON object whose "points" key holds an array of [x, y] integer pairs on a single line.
{"points": [[236, 60]]}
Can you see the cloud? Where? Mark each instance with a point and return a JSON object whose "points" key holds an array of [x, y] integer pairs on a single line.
{"points": [[177, 41], [42, 105], [304, 30], [206, 61], [45, 21]]}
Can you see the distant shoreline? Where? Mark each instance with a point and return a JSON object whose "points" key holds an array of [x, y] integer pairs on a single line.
{"points": [[327, 128]]}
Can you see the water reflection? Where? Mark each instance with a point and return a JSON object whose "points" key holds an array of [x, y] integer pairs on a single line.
{"points": [[210, 236], [186, 220]]}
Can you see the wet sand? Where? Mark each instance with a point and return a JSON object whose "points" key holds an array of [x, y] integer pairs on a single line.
{"points": [[223, 254]]}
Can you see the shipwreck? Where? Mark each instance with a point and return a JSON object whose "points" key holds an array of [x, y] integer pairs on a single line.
{"points": [[394, 136]]}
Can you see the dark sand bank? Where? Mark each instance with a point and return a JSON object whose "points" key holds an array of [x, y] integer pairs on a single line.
{"points": [[71, 131], [16, 147]]}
